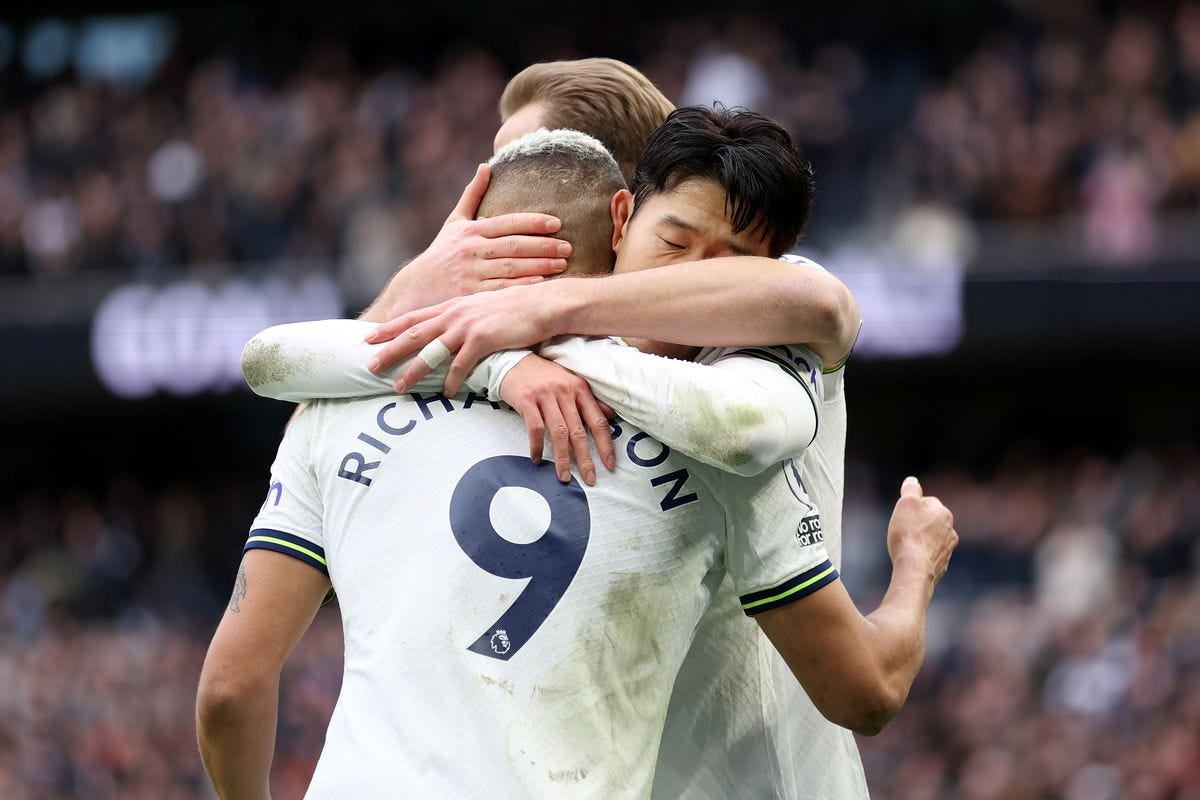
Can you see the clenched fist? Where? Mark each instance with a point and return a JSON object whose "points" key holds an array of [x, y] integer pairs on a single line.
{"points": [[921, 531]]}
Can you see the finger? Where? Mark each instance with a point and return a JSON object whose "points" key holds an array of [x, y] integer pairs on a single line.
{"points": [[911, 487], [415, 341], [472, 196], [577, 434], [560, 443], [401, 348], [606, 410], [524, 247], [489, 286], [509, 268], [597, 422], [536, 426], [526, 223], [393, 328], [417, 369], [460, 368]]}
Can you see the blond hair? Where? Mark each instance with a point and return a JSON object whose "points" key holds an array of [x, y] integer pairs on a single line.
{"points": [[565, 173], [603, 97]]}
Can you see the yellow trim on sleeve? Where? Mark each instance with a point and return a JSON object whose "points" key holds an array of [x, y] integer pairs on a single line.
{"points": [[290, 545], [789, 592]]}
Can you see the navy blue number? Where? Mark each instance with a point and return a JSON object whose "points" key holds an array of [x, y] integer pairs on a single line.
{"points": [[550, 563]]}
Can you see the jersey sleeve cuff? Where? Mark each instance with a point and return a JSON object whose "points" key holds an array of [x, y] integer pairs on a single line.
{"points": [[835, 367], [790, 591], [290, 545]]}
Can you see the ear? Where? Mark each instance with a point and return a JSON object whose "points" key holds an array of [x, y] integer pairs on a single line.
{"points": [[621, 209]]}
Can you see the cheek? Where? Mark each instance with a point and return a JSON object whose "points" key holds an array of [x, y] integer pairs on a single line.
{"points": [[632, 256]]}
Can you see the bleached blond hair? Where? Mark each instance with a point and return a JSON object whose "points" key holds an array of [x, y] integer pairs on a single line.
{"points": [[565, 173]]}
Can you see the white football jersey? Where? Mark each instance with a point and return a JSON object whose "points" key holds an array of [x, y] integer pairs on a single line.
{"points": [[506, 635], [739, 725]]}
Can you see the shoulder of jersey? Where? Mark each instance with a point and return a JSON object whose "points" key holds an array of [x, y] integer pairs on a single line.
{"points": [[792, 258]]}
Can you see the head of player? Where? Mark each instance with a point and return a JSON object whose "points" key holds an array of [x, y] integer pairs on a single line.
{"points": [[567, 174], [715, 182], [602, 97]]}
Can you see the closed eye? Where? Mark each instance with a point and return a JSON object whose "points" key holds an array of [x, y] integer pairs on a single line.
{"points": [[672, 245]]}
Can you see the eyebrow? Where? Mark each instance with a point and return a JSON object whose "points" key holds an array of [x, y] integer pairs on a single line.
{"points": [[679, 222]]}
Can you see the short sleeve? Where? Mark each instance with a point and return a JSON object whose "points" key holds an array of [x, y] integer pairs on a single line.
{"points": [[290, 520], [775, 552]]}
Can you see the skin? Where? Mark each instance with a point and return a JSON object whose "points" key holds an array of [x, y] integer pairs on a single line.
{"points": [[686, 224], [274, 600], [858, 669], [478, 255]]}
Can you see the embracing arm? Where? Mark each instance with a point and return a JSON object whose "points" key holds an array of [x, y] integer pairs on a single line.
{"points": [[329, 358], [274, 600], [741, 415], [741, 300], [858, 670]]}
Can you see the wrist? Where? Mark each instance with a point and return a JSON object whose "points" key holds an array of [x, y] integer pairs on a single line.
{"points": [[566, 307], [399, 287], [911, 562]]}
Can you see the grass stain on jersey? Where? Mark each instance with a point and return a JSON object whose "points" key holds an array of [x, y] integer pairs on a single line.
{"points": [[263, 364], [502, 683], [721, 434], [605, 692]]}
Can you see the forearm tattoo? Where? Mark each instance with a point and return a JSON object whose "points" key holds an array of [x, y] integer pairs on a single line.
{"points": [[239, 590]]}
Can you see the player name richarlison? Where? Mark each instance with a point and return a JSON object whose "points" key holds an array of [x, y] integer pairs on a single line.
{"points": [[641, 449]]}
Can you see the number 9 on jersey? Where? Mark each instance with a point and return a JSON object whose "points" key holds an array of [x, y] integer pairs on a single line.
{"points": [[550, 562]]}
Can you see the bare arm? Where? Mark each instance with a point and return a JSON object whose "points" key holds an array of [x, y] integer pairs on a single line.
{"points": [[858, 670], [274, 600], [741, 300], [719, 302]]}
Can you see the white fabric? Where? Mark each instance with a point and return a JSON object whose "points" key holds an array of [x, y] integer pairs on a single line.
{"points": [[728, 417], [379, 486], [728, 413], [328, 358]]}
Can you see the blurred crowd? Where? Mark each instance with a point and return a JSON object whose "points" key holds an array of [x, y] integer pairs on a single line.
{"points": [[210, 161], [1063, 659], [1064, 656]]}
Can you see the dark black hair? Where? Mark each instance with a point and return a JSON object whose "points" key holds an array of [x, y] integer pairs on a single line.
{"points": [[767, 180]]}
